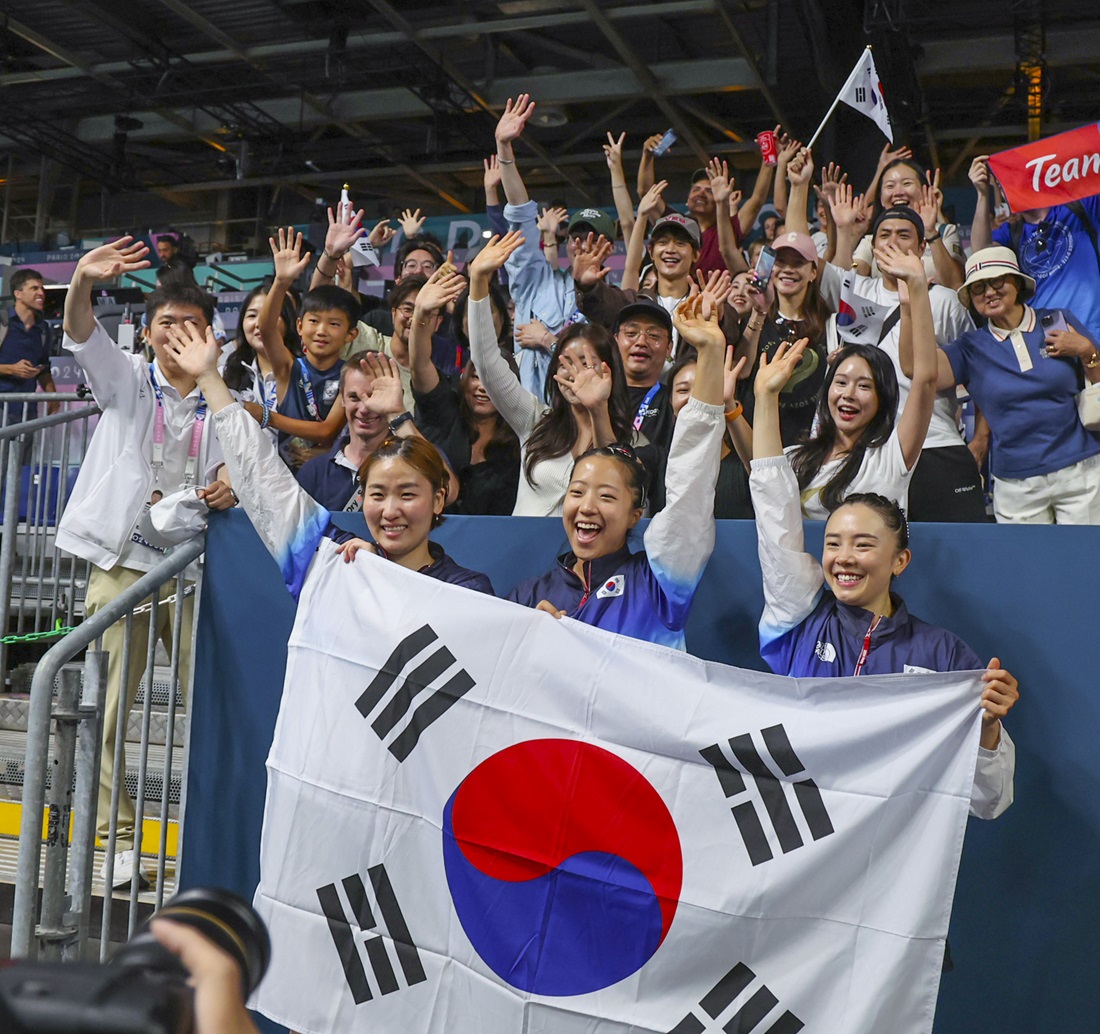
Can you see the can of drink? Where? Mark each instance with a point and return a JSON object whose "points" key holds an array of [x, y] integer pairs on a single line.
{"points": [[769, 150]]}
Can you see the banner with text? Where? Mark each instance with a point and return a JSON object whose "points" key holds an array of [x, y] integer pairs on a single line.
{"points": [[1050, 172]]}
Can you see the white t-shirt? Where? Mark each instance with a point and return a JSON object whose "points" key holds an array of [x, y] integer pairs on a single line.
{"points": [[950, 233], [883, 471], [950, 321]]}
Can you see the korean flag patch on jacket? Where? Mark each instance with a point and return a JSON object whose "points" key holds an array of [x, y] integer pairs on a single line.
{"points": [[612, 587]]}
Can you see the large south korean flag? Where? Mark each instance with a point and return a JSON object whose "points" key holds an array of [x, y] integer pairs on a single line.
{"points": [[482, 820]]}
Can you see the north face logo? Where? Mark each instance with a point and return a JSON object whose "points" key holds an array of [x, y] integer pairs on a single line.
{"points": [[825, 652]]}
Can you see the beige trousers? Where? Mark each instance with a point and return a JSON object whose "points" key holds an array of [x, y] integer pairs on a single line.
{"points": [[103, 587]]}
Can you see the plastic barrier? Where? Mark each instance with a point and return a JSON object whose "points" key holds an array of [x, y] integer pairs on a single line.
{"points": [[1023, 935]]}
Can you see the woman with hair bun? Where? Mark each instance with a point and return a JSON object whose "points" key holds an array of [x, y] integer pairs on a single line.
{"points": [[404, 487], [645, 594], [840, 616]]}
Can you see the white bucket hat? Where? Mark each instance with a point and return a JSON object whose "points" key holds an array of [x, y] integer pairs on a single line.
{"points": [[990, 263]]}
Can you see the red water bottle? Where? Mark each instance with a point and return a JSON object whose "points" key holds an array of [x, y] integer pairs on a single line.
{"points": [[768, 147]]}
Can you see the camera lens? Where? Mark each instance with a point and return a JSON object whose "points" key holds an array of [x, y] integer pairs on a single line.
{"points": [[220, 916]]}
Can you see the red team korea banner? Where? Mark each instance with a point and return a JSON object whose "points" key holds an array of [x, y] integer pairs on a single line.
{"points": [[1049, 172]]}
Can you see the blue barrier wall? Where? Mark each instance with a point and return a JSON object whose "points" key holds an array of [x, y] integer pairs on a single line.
{"points": [[1027, 908]]}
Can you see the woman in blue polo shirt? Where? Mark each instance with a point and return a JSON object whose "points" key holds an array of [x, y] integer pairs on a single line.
{"points": [[1025, 370]]}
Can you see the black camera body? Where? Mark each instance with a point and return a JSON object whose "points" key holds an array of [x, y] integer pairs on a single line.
{"points": [[143, 989]]}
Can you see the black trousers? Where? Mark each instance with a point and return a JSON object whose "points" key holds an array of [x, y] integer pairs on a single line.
{"points": [[947, 487]]}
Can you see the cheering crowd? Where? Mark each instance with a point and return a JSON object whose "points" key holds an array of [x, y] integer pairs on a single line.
{"points": [[806, 372]]}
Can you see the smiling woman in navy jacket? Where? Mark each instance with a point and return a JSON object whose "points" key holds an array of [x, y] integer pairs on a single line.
{"points": [[839, 617], [645, 594]]}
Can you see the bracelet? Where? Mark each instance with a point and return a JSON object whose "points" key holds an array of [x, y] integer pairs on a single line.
{"points": [[935, 237], [734, 413], [267, 417], [753, 326], [506, 161], [1093, 362]]}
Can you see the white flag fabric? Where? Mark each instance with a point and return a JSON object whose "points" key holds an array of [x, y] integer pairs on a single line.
{"points": [[482, 819], [863, 91], [859, 319]]}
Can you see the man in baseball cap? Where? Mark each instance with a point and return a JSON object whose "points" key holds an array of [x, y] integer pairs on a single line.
{"points": [[591, 220]]}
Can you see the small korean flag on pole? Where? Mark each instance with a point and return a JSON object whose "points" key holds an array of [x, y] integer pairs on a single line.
{"points": [[863, 91]]}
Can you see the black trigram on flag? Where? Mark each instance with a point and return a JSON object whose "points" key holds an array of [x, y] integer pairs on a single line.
{"points": [[347, 923], [861, 94], [772, 793], [398, 691], [756, 1011]]}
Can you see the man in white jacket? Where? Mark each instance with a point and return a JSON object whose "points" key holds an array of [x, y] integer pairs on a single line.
{"points": [[152, 441]]}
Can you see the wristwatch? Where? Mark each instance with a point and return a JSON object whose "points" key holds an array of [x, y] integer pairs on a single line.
{"points": [[398, 420], [1093, 362]]}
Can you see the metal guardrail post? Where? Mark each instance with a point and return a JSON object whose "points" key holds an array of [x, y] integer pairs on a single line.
{"points": [[38, 734], [13, 478], [51, 931], [85, 798]]}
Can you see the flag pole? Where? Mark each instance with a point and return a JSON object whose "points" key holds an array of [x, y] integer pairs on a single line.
{"points": [[832, 108]]}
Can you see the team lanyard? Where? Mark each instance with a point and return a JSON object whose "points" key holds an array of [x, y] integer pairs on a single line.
{"points": [[644, 405], [866, 645], [307, 387], [158, 434]]}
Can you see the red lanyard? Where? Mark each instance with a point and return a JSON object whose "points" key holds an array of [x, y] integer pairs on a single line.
{"points": [[866, 645]]}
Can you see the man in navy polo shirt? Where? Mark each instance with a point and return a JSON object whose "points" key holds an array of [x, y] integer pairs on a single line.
{"points": [[25, 347], [373, 400]]}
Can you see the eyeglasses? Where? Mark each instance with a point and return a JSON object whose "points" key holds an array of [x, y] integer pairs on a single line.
{"points": [[407, 310], [653, 337], [982, 286], [428, 266]]}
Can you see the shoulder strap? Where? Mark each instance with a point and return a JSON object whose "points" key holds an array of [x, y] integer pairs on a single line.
{"points": [[1078, 210], [889, 323]]}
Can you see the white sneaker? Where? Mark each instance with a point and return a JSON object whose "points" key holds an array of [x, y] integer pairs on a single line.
{"points": [[124, 870]]}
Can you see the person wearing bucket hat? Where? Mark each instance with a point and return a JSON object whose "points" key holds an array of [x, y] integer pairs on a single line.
{"points": [[544, 295], [1059, 247], [946, 484], [1024, 369]]}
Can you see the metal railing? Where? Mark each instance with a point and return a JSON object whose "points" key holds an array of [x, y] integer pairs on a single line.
{"points": [[59, 928], [40, 588]]}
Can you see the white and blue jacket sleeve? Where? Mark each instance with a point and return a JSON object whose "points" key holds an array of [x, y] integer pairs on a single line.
{"points": [[289, 521]]}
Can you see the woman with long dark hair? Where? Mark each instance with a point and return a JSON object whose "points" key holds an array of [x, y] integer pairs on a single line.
{"points": [[251, 371], [586, 407], [463, 422], [861, 443]]}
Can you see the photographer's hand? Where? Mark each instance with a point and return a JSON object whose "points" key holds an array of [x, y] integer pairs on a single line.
{"points": [[219, 1004]]}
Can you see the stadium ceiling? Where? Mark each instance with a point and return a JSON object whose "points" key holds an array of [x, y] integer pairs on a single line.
{"points": [[400, 96]]}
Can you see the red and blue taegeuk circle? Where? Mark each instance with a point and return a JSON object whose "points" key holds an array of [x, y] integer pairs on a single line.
{"points": [[564, 866]]}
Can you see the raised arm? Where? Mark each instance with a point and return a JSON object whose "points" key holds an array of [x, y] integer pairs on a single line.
{"points": [[444, 286], [916, 309], [792, 577], [680, 538], [949, 270], [800, 174], [288, 520], [771, 379], [748, 212], [104, 263], [518, 406], [981, 230], [845, 212], [646, 169], [344, 229], [290, 263], [508, 130], [648, 208], [787, 152], [721, 186], [624, 203]]}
